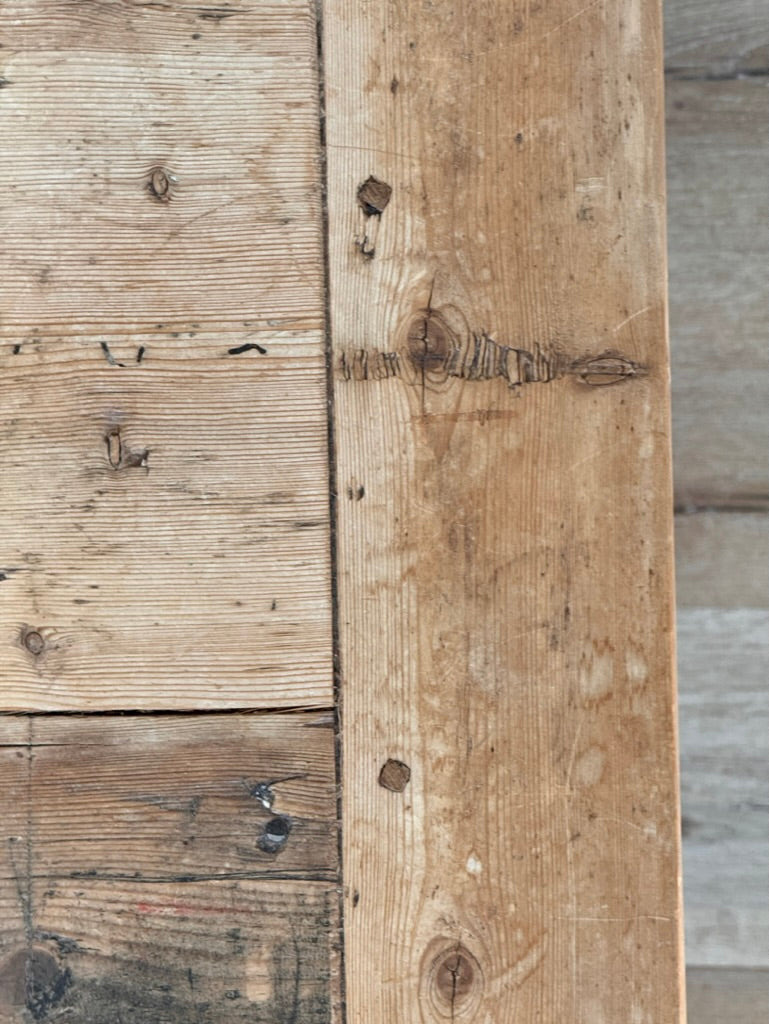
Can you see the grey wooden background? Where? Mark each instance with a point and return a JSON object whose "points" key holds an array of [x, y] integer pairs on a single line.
{"points": [[717, 86]]}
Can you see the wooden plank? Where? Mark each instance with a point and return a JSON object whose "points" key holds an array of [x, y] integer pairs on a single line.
{"points": [[727, 995], [706, 37], [175, 795], [177, 869], [203, 953], [495, 189], [722, 559], [717, 152], [163, 430], [724, 723]]}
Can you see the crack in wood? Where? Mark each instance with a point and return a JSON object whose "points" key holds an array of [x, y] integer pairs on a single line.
{"points": [[481, 358]]}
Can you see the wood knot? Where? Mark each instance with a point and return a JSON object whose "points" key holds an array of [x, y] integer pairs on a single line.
{"points": [[33, 641], [33, 979], [394, 775], [453, 981], [373, 196], [603, 370], [159, 184], [430, 341]]}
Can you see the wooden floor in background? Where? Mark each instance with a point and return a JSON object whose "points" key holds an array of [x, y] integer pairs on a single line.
{"points": [[717, 60]]}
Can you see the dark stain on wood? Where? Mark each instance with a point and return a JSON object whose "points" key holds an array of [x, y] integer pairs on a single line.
{"points": [[34, 980], [215, 981]]}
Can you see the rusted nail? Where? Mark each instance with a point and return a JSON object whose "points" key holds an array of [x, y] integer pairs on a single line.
{"points": [[394, 775]]}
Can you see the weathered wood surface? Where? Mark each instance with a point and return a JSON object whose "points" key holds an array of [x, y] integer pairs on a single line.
{"points": [[724, 716], [727, 995], [722, 559], [709, 38], [718, 231], [176, 869], [496, 218], [163, 427]]}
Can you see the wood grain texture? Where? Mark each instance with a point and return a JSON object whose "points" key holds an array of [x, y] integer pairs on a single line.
{"points": [[724, 718], [163, 425], [727, 995], [710, 38], [99, 96], [504, 533], [136, 881], [722, 559], [718, 230], [201, 953]]}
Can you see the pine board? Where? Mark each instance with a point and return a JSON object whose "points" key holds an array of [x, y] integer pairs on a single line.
{"points": [[136, 882], [496, 209], [718, 231], [163, 424]]}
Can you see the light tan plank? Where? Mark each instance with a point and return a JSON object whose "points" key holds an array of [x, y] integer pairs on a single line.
{"points": [[724, 721], [178, 868], [722, 559], [99, 96], [717, 153], [163, 429], [504, 524], [727, 995], [707, 37]]}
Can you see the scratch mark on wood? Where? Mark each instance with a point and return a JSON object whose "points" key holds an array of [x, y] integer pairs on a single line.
{"points": [[632, 316], [573, 17]]}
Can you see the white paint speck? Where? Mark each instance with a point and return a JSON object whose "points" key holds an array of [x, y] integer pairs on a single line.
{"points": [[474, 866]]}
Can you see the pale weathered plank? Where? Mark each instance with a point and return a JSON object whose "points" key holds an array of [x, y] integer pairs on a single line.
{"points": [[496, 218], [722, 559], [712, 38], [159, 168], [163, 426], [724, 723], [727, 995], [178, 868], [717, 154]]}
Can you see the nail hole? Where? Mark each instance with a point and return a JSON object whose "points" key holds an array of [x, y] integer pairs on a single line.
{"points": [[275, 835]]}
